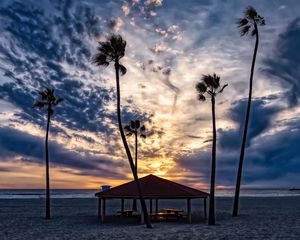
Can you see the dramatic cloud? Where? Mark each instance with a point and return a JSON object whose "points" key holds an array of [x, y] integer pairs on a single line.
{"points": [[284, 64], [170, 44], [266, 150], [31, 149]]}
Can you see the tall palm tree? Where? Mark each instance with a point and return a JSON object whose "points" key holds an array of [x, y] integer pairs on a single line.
{"points": [[210, 86], [248, 24], [135, 128], [48, 100], [112, 51]]}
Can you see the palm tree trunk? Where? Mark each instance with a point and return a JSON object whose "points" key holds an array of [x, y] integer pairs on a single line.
{"points": [[136, 152], [142, 200], [242, 153], [47, 168], [134, 204], [211, 214]]}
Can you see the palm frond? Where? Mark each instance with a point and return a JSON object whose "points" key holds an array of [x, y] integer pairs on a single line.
{"points": [[105, 48], [118, 45], [251, 13], [211, 81], [100, 60], [201, 97], [245, 30], [143, 136], [43, 95], [223, 88], [242, 22], [39, 104], [57, 101], [127, 128], [111, 50], [260, 20], [132, 124], [143, 128], [206, 79], [201, 87], [47, 99], [123, 69], [215, 81], [253, 32], [137, 124]]}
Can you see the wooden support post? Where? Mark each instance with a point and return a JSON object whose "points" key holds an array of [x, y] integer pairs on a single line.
{"points": [[99, 207], [189, 210], [122, 205], [142, 217], [150, 206], [205, 209], [103, 210], [156, 206]]}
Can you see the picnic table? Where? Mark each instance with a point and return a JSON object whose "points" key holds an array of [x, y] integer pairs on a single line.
{"points": [[172, 210], [126, 213], [168, 214]]}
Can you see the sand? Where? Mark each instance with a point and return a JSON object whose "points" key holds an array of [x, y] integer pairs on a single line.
{"points": [[261, 218]]}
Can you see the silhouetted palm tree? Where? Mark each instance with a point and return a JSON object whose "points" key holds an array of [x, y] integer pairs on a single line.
{"points": [[48, 100], [210, 85], [112, 51], [135, 128], [248, 24]]}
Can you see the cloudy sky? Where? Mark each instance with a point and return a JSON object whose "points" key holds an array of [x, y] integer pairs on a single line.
{"points": [[170, 44]]}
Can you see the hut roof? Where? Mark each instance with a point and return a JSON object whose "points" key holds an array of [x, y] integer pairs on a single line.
{"points": [[153, 187]]}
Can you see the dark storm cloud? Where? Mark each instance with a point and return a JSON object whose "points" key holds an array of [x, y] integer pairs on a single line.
{"points": [[37, 43], [44, 44], [14, 143], [262, 115], [284, 64], [268, 157]]}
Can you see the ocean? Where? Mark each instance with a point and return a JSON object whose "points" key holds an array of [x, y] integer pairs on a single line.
{"points": [[84, 193]]}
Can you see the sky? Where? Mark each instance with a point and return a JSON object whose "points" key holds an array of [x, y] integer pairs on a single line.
{"points": [[170, 45]]}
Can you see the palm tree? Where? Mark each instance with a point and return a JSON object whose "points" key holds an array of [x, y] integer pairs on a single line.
{"points": [[48, 100], [135, 128], [248, 24], [112, 51], [210, 85]]}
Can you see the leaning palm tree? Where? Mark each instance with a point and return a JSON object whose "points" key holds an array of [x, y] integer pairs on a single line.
{"points": [[135, 128], [210, 86], [112, 51], [248, 24], [47, 100]]}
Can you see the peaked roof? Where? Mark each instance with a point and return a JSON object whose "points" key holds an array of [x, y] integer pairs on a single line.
{"points": [[153, 187]]}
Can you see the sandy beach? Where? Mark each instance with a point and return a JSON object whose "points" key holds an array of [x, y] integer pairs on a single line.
{"points": [[261, 218]]}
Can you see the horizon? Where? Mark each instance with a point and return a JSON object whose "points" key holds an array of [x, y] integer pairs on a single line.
{"points": [[92, 189], [52, 44]]}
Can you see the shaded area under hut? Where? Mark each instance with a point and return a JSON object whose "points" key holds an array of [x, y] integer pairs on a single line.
{"points": [[154, 188]]}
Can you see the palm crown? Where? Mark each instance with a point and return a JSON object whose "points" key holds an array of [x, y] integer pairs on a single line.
{"points": [[210, 84], [47, 99], [250, 21], [111, 51], [135, 127]]}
